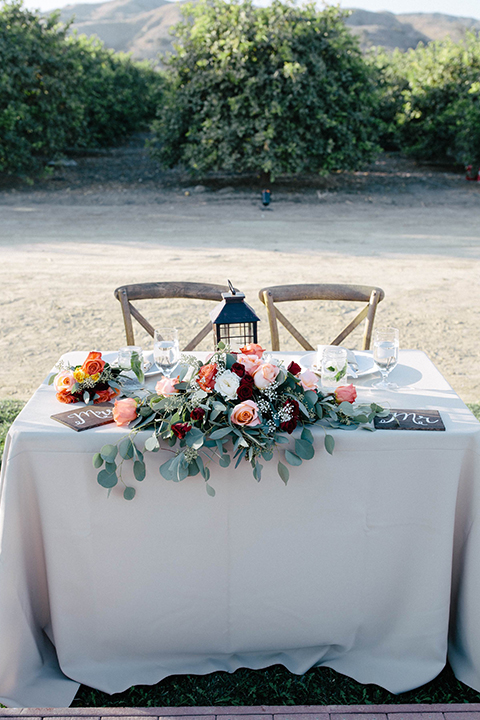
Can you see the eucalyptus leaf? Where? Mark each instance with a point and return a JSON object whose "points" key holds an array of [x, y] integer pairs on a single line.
{"points": [[109, 453], [292, 459], [257, 471], [281, 439], [193, 468], [129, 493], [240, 456], [152, 443], [224, 461], [346, 408], [267, 455], [139, 470], [329, 444], [97, 460], [106, 479], [195, 438], [125, 449], [220, 433], [311, 397], [51, 379], [304, 449], [210, 490], [283, 471], [307, 435], [165, 470], [111, 468], [86, 398]]}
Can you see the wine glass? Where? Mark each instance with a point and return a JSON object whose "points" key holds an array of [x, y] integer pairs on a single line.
{"points": [[385, 354], [166, 351]]}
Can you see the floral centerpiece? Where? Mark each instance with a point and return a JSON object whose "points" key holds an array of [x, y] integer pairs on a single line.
{"points": [[95, 381], [239, 405]]}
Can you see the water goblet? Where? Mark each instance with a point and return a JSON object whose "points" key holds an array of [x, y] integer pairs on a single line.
{"points": [[166, 350], [385, 355]]}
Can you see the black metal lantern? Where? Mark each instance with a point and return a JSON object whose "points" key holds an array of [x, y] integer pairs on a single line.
{"points": [[234, 322]]}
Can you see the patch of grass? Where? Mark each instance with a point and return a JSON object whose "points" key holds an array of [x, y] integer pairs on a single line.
{"points": [[275, 686], [9, 410]]}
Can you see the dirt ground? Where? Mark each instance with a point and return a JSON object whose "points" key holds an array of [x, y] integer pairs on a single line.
{"points": [[67, 242]]}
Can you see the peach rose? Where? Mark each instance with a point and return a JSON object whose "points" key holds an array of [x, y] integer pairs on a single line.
{"points": [[308, 380], [166, 386], [252, 349], [265, 375], [250, 362], [206, 376], [345, 393], [125, 411], [93, 364], [245, 413], [64, 381]]}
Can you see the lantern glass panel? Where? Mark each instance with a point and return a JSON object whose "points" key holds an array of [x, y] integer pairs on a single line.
{"points": [[236, 335]]}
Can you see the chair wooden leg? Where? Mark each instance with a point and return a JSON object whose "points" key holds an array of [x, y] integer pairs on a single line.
{"points": [[272, 320], [127, 318], [372, 309]]}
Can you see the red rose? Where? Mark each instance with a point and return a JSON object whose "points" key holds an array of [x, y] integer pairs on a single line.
{"points": [[197, 413], [289, 426], [238, 369], [245, 391], [247, 380], [181, 429], [294, 368], [65, 396]]}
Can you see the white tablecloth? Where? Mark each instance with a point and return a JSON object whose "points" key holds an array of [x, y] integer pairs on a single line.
{"points": [[348, 566]]}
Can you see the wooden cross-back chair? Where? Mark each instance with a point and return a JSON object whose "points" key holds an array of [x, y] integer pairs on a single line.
{"points": [[147, 291], [370, 296]]}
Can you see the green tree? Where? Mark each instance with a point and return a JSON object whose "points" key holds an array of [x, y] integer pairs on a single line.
{"points": [[279, 89], [432, 97], [59, 92]]}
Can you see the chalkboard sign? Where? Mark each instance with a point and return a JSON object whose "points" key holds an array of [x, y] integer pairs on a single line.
{"points": [[83, 418], [410, 420]]}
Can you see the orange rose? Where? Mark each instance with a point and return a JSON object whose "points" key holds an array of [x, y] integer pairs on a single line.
{"points": [[125, 411], [93, 364], [64, 381], [106, 395], [252, 349], [206, 376], [245, 413], [64, 396]]}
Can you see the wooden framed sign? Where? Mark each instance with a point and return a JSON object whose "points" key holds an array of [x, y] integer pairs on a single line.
{"points": [[410, 420], [84, 418]]}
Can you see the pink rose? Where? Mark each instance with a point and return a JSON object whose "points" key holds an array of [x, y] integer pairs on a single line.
{"points": [[345, 393], [308, 380], [125, 411], [166, 386], [64, 381], [252, 349], [265, 375], [250, 362], [246, 413]]}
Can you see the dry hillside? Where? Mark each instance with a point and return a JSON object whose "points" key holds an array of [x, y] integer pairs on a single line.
{"points": [[143, 26]]}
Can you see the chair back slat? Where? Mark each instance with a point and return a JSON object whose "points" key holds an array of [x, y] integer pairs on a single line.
{"points": [[164, 290], [321, 291]]}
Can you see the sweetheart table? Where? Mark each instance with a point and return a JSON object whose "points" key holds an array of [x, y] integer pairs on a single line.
{"points": [[356, 564]]}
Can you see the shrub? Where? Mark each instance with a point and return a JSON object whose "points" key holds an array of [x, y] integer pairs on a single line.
{"points": [[58, 92], [279, 89], [433, 96]]}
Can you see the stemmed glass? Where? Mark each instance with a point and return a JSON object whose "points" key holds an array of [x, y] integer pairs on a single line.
{"points": [[385, 354], [166, 350]]}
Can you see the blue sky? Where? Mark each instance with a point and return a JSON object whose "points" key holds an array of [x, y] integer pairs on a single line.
{"points": [[462, 8]]}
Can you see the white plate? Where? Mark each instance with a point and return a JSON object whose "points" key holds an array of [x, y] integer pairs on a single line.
{"points": [[366, 366]]}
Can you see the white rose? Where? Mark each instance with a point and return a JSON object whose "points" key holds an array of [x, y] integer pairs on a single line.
{"points": [[227, 384]]}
